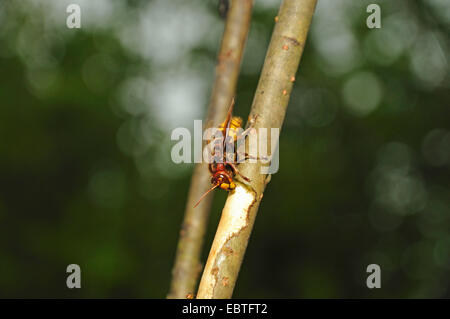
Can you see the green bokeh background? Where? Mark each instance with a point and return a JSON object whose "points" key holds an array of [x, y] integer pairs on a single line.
{"points": [[85, 170]]}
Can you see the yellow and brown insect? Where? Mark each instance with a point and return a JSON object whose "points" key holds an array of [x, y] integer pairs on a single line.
{"points": [[223, 168]]}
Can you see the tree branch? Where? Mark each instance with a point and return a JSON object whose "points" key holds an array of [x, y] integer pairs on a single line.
{"points": [[187, 261], [269, 105]]}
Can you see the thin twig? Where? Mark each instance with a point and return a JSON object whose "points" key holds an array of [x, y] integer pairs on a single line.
{"points": [[187, 261], [269, 105]]}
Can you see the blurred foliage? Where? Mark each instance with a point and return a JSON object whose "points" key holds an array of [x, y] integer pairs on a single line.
{"points": [[85, 170]]}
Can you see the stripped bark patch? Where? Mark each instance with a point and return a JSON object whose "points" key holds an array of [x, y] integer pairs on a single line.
{"points": [[233, 222], [228, 251]]}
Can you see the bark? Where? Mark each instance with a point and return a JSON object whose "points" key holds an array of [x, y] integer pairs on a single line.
{"points": [[269, 108], [187, 261]]}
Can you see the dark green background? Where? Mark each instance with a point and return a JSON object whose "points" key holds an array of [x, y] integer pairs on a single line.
{"points": [[86, 178]]}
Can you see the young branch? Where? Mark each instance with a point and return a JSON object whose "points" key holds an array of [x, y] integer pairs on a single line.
{"points": [[269, 107], [187, 261]]}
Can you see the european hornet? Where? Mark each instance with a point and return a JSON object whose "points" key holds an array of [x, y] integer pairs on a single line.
{"points": [[223, 168]]}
